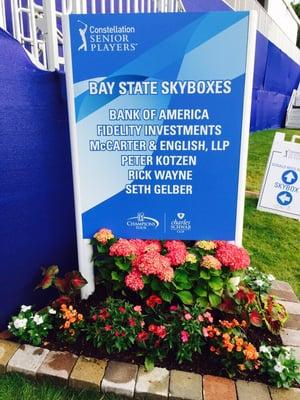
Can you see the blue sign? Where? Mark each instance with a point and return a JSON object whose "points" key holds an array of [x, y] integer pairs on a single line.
{"points": [[289, 177], [284, 198], [156, 106]]}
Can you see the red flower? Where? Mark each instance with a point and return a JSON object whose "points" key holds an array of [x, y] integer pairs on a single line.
{"points": [[173, 308], [122, 248], [104, 314], [184, 335], [137, 309], [142, 336], [117, 334], [122, 310], [153, 300], [131, 322], [94, 317], [108, 328], [161, 331]]}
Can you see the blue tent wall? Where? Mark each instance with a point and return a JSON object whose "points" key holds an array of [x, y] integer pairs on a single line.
{"points": [[36, 195], [275, 75]]}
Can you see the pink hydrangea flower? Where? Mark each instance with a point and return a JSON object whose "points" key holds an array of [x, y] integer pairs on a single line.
{"points": [[177, 252], [210, 262], [233, 257], [134, 281], [104, 235], [151, 263], [122, 248]]}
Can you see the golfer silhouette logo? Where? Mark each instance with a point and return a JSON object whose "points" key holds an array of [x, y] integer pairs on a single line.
{"points": [[82, 32]]}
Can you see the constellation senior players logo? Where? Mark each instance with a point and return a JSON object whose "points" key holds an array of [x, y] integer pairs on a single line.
{"points": [[142, 222], [82, 31], [110, 38], [180, 224]]}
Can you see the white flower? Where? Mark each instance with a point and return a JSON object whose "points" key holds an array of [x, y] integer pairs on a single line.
{"points": [[38, 319], [259, 282], [250, 269], [235, 281], [271, 277], [264, 349], [20, 323], [25, 308], [51, 311], [279, 367]]}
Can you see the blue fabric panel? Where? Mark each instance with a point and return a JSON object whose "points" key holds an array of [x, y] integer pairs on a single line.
{"points": [[270, 109], [36, 194], [261, 53], [204, 5], [253, 111]]}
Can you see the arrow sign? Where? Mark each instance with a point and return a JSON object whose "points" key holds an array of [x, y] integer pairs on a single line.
{"points": [[284, 198], [289, 177]]}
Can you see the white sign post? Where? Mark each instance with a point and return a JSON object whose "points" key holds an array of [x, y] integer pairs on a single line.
{"points": [[280, 192]]}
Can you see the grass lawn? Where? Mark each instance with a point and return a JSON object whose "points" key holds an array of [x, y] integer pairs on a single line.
{"points": [[18, 387], [273, 241]]}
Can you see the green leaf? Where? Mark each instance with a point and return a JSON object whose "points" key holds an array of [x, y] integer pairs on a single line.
{"points": [[204, 274], [115, 276], [181, 276], [202, 302], [149, 364], [167, 296], [200, 291], [101, 249], [122, 265], [215, 283], [186, 297], [155, 285], [146, 279], [214, 299]]}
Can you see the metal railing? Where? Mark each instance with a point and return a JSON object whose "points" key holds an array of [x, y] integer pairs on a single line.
{"points": [[39, 27]]}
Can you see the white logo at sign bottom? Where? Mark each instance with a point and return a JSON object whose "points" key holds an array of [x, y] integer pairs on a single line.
{"points": [[142, 222], [180, 224]]}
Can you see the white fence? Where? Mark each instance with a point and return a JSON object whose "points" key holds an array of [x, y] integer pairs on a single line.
{"points": [[268, 27], [38, 28]]}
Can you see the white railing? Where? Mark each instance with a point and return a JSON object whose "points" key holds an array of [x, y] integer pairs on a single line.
{"points": [[2, 15], [38, 28], [268, 27]]}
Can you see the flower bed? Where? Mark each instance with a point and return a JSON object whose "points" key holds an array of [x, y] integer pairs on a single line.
{"points": [[192, 306]]}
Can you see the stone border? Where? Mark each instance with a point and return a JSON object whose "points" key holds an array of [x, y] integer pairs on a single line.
{"points": [[133, 381]]}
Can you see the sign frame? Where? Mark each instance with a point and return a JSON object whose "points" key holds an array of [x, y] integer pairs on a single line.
{"points": [[278, 141], [83, 245]]}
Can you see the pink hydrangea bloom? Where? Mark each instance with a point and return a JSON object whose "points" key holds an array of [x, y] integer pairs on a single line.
{"points": [[152, 245], [139, 246], [167, 274], [177, 252], [104, 235], [151, 263], [210, 262], [122, 248], [233, 257], [134, 281]]}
